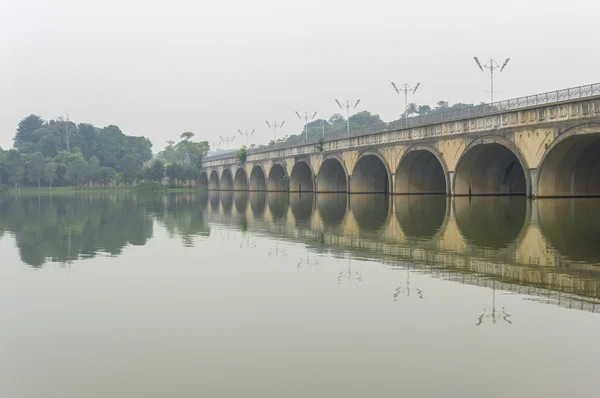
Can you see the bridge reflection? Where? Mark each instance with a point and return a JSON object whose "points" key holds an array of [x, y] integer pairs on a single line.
{"points": [[542, 248]]}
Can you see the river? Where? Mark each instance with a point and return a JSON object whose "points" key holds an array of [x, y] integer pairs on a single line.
{"points": [[274, 295]]}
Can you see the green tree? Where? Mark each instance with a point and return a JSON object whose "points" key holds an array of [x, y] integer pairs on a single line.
{"points": [[26, 130], [15, 167], [130, 168], [75, 173], [156, 171], [187, 135], [412, 109], [3, 159], [92, 170], [50, 173], [106, 175], [47, 146], [35, 169]]}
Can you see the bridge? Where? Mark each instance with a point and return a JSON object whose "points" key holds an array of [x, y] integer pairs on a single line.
{"points": [[543, 145]]}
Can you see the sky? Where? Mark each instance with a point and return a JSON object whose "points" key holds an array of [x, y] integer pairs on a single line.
{"points": [[159, 68]]}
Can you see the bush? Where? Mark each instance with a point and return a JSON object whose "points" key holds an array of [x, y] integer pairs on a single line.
{"points": [[150, 187]]}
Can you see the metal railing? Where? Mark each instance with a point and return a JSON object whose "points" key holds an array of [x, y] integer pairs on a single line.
{"points": [[551, 97]]}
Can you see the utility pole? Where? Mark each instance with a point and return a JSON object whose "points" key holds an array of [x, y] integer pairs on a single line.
{"points": [[227, 140], [491, 65], [347, 106], [246, 134], [275, 126], [306, 123], [406, 89]]}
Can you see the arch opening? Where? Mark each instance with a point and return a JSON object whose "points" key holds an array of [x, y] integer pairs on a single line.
{"points": [[277, 182], [203, 180], [571, 168], [301, 179], [240, 182], [257, 179], [420, 172], [332, 177], [213, 183], [489, 169], [226, 183], [370, 176]]}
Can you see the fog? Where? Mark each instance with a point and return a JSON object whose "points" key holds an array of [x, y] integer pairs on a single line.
{"points": [[158, 68]]}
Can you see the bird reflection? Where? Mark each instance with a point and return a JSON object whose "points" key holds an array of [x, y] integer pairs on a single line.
{"points": [[495, 315]]}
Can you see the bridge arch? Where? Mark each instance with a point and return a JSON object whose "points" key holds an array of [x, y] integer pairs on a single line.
{"points": [[491, 165], [277, 178], [226, 183], [421, 170], [301, 177], [571, 164], [258, 182], [240, 181], [302, 207], [213, 183], [371, 174], [332, 209], [203, 179], [332, 176]]}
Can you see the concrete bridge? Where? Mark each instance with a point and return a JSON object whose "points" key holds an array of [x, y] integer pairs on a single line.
{"points": [[541, 248], [544, 145]]}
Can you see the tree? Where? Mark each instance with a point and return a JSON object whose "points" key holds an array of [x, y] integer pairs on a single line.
{"points": [[423, 109], [91, 174], [35, 169], [26, 130], [68, 127], [47, 145], [76, 171], [187, 135], [412, 109], [155, 172], [130, 168], [50, 173], [15, 167], [106, 175], [3, 159]]}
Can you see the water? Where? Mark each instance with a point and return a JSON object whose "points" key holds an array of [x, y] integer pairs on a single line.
{"points": [[260, 295]]}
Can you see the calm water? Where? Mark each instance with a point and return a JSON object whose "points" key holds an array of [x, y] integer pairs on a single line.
{"points": [[265, 295]]}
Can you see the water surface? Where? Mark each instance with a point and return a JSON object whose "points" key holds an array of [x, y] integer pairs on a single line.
{"points": [[274, 295]]}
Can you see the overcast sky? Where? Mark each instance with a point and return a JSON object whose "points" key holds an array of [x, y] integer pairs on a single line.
{"points": [[159, 68]]}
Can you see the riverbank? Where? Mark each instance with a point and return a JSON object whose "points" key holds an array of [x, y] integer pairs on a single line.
{"points": [[28, 191]]}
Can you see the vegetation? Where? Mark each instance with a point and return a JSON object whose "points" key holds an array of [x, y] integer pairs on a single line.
{"points": [[241, 155], [319, 145]]}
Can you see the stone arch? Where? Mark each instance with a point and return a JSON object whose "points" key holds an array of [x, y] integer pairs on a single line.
{"points": [[491, 165], [371, 174], [421, 170], [240, 181], [301, 177], [213, 183], [203, 179], [332, 176], [258, 181], [571, 164], [226, 182], [277, 178]]}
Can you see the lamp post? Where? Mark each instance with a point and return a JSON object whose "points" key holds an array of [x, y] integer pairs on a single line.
{"points": [[491, 65], [347, 106], [406, 89], [246, 134], [275, 126], [227, 140], [306, 122]]}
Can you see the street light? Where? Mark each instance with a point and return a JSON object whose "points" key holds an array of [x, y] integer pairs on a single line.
{"points": [[306, 122], [347, 106], [246, 134], [275, 126], [406, 89], [492, 65], [227, 140]]}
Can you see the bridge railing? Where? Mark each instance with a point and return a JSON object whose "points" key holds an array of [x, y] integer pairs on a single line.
{"points": [[551, 97]]}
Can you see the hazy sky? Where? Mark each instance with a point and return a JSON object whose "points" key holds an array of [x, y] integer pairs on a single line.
{"points": [[158, 68]]}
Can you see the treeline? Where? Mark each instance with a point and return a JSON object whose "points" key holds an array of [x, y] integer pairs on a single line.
{"points": [[62, 153], [337, 123]]}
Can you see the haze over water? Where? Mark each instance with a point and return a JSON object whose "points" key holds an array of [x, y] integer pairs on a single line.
{"points": [[254, 294]]}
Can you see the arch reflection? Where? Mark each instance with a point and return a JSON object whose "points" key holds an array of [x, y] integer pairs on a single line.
{"points": [[302, 207], [258, 203], [572, 226], [332, 208], [420, 216], [370, 211], [214, 199], [240, 199], [278, 204], [491, 222], [227, 202]]}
